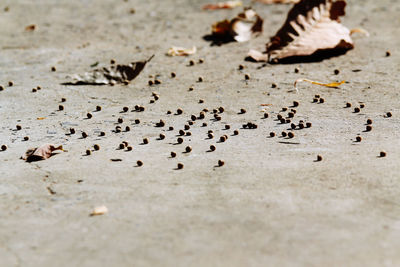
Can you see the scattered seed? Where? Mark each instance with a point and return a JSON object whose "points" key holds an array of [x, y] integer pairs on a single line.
{"points": [[125, 143], [145, 141], [170, 128], [348, 105], [120, 120], [282, 120], [84, 135], [96, 147], [34, 90], [221, 109], [284, 109], [173, 74], [1, 88], [218, 118], [388, 53], [319, 158], [301, 125], [191, 62], [3, 147], [127, 129], [369, 121], [181, 132], [162, 136], [188, 149], [179, 140], [212, 148], [179, 166], [227, 127], [88, 152], [290, 135], [266, 115], [272, 134], [315, 100], [293, 126], [210, 136], [201, 61], [204, 124], [358, 138], [290, 114], [389, 114], [60, 107], [368, 128], [274, 85], [173, 154], [308, 124], [63, 99], [284, 134], [18, 127], [125, 109], [72, 131], [188, 133], [121, 146], [118, 129], [296, 70], [382, 154], [221, 163], [102, 133], [295, 104], [200, 79], [139, 163], [321, 100], [356, 110], [279, 117], [336, 71], [179, 111], [362, 105], [89, 115], [129, 148], [222, 139], [26, 138], [242, 111], [247, 77], [157, 81], [98, 108], [53, 69], [150, 82]]}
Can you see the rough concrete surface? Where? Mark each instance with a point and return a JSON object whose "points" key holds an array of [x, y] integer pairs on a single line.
{"points": [[271, 204]]}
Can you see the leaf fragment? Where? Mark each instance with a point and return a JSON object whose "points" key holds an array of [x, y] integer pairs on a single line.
{"points": [[331, 85], [41, 153], [100, 210], [181, 51], [223, 5], [269, 2]]}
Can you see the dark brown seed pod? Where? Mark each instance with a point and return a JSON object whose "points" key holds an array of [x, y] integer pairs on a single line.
{"points": [[358, 139], [191, 62], [274, 85], [247, 77], [336, 71], [161, 123], [202, 115], [293, 126], [169, 112], [137, 107], [200, 79], [241, 67], [129, 148], [1, 87], [96, 147], [295, 104], [382, 154], [201, 101], [296, 70], [141, 108], [88, 152], [227, 127], [120, 120], [139, 163], [60, 107], [356, 110], [63, 99], [150, 82], [271, 134], [388, 114], [222, 139], [125, 109], [348, 105], [279, 117], [89, 115], [210, 131], [319, 158], [290, 114], [127, 129], [204, 124], [190, 89], [321, 100], [388, 53], [188, 133], [34, 90], [187, 127], [242, 111], [18, 127], [308, 124], [137, 121], [293, 111], [98, 108], [173, 154], [190, 123], [288, 121], [193, 117], [188, 149], [368, 128], [179, 140], [53, 69], [72, 131], [125, 143], [218, 118], [212, 148], [221, 163], [221, 109], [362, 105], [282, 120], [266, 115], [205, 109], [121, 146], [118, 129], [112, 61], [317, 96], [170, 128], [173, 74], [179, 166], [181, 132], [26, 138], [290, 135], [179, 111], [3, 147], [284, 134], [301, 125], [156, 81], [369, 121], [84, 135], [210, 136], [102, 133], [145, 141], [315, 100], [201, 61], [162, 136]]}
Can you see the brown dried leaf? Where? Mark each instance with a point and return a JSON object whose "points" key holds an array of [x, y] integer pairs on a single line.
{"points": [[241, 29], [269, 2], [40, 153], [113, 75], [311, 28], [223, 5], [331, 85]]}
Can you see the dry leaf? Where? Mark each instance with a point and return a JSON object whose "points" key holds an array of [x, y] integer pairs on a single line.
{"points": [[181, 51], [312, 29], [223, 5], [277, 1], [30, 28], [100, 210], [332, 85], [113, 75], [40, 153], [241, 29]]}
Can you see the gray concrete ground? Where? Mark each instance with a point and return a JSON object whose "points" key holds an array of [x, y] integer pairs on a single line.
{"points": [[271, 204]]}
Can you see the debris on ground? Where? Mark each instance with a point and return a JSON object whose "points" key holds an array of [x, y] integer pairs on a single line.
{"points": [[41, 153], [181, 51], [223, 5]]}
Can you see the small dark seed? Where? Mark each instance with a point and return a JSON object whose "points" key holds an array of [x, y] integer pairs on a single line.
{"points": [[84, 135], [98, 108], [284, 109], [368, 128], [34, 90], [321, 100], [362, 105], [356, 110], [222, 139], [157, 81], [266, 115], [201, 61], [348, 105], [241, 67], [125, 109], [162, 136], [63, 99], [317, 96], [315, 100], [369, 121], [179, 166], [236, 132], [191, 89], [389, 114], [88, 152], [308, 124], [284, 134], [227, 127], [282, 120], [150, 82], [295, 104], [169, 112], [188, 149], [218, 118], [112, 61], [212, 148], [301, 125], [290, 114], [173, 154], [53, 68], [221, 109], [201, 101], [18, 127], [210, 136], [382, 154], [290, 135], [336, 71], [120, 120], [121, 146], [288, 121], [188, 133], [125, 143], [181, 132], [293, 126], [1, 88], [242, 111], [102, 133], [319, 158], [118, 129], [60, 107], [272, 134], [129, 148], [193, 117], [3, 147], [127, 129], [89, 115], [296, 70], [72, 131], [187, 127], [179, 111], [170, 128], [191, 62], [200, 79], [221, 163], [179, 140], [142, 108], [274, 85], [139, 163], [247, 77], [137, 121], [26, 138], [145, 141], [358, 138], [96, 147], [204, 124], [173, 74], [190, 122], [388, 53]]}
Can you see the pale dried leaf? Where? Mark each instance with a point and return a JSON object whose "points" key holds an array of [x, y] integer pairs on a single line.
{"points": [[100, 210], [112, 75], [312, 26], [242, 28], [40, 153], [269, 2], [181, 51], [331, 85], [223, 5]]}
